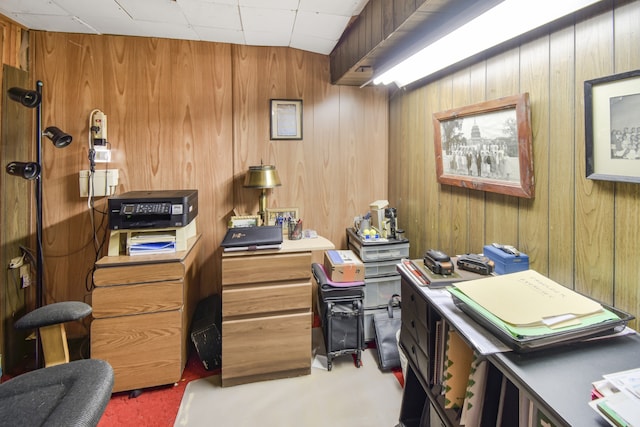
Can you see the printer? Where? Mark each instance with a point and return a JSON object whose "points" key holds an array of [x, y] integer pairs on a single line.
{"points": [[152, 209]]}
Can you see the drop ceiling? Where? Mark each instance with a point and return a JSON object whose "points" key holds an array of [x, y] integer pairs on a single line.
{"points": [[311, 25]]}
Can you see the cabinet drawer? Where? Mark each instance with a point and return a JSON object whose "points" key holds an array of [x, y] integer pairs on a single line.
{"points": [[265, 346], [412, 322], [413, 301], [261, 299], [144, 350], [110, 301], [141, 273], [413, 351], [262, 268]]}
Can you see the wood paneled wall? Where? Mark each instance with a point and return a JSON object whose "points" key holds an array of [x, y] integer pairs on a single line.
{"points": [[185, 114], [584, 234]]}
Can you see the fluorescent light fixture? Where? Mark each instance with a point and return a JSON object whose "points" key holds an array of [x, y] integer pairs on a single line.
{"points": [[505, 21]]}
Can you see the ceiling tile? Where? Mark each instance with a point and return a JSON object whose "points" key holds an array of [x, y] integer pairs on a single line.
{"points": [[334, 7], [221, 35], [37, 7], [204, 14], [312, 44], [154, 10], [58, 23], [85, 10], [320, 25], [267, 20], [271, 4], [264, 38]]}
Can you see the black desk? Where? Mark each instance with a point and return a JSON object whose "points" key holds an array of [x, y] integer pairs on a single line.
{"points": [[560, 379], [557, 380]]}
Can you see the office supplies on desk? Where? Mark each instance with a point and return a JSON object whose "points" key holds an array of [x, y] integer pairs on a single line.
{"points": [[621, 398], [425, 277]]}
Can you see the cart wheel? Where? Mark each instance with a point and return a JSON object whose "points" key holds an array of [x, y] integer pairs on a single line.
{"points": [[329, 365], [358, 361]]}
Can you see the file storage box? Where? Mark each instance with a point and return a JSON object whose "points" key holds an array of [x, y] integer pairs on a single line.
{"points": [[506, 263], [343, 266]]}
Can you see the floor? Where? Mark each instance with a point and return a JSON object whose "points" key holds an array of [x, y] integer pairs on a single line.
{"points": [[345, 396]]}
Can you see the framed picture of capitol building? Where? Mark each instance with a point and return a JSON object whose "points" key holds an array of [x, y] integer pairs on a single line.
{"points": [[486, 146]]}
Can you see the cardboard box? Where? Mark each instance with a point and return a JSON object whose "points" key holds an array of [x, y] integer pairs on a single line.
{"points": [[506, 263], [343, 266]]}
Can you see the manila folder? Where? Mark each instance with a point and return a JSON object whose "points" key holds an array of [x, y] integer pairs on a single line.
{"points": [[527, 297]]}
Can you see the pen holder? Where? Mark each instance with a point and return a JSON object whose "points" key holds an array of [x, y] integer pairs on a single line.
{"points": [[295, 230]]}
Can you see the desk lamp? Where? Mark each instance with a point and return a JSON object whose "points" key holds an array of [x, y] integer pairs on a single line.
{"points": [[262, 177]]}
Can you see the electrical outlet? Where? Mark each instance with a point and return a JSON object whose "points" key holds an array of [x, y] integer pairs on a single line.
{"points": [[105, 182]]}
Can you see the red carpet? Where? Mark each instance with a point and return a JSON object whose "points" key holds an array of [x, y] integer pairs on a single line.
{"points": [[156, 406]]}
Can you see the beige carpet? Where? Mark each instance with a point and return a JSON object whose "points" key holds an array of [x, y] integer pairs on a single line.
{"points": [[344, 396]]}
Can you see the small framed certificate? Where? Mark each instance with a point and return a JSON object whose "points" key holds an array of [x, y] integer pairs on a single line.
{"points": [[286, 119]]}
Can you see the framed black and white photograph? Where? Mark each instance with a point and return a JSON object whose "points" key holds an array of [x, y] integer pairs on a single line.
{"points": [[612, 127], [486, 146], [286, 119]]}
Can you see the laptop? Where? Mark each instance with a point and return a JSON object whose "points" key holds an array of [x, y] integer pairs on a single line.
{"points": [[252, 238]]}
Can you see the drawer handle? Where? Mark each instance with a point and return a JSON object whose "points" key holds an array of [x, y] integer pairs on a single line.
{"points": [[413, 324]]}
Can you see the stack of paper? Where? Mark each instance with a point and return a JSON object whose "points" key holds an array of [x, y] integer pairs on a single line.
{"points": [[528, 304], [618, 398], [151, 243]]}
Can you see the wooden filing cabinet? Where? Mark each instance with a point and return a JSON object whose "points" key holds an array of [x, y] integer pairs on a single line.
{"points": [[266, 312], [142, 307]]}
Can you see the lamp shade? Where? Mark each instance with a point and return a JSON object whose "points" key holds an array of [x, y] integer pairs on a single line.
{"points": [[263, 176]]}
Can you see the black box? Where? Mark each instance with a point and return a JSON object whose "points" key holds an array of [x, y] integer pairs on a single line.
{"points": [[205, 331]]}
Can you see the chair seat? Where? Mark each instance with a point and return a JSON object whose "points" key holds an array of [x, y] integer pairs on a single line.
{"points": [[71, 394], [51, 314]]}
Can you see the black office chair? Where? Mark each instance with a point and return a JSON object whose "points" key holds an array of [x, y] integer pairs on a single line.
{"points": [[69, 394], [49, 320]]}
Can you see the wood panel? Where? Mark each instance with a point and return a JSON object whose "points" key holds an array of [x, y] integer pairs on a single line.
{"points": [[627, 196], [581, 233], [594, 199], [561, 153], [188, 114], [532, 213], [17, 228]]}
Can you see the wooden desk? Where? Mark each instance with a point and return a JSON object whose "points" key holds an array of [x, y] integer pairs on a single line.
{"points": [[142, 308], [266, 311]]}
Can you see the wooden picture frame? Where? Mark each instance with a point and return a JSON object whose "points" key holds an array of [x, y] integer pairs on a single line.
{"points": [[284, 213], [612, 127], [244, 221], [487, 146], [286, 119]]}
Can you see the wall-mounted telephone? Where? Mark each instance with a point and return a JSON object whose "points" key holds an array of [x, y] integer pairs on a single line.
{"points": [[98, 127], [99, 151]]}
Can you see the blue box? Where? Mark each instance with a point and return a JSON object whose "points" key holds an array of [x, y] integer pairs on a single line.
{"points": [[506, 263]]}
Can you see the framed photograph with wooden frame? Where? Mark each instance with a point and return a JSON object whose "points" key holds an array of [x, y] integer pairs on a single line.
{"points": [[487, 146], [284, 213], [286, 119], [612, 127], [244, 221]]}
